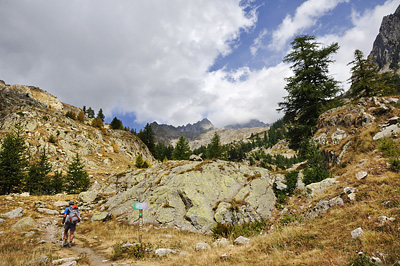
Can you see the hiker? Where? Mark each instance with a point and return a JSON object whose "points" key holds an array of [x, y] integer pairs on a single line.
{"points": [[70, 219]]}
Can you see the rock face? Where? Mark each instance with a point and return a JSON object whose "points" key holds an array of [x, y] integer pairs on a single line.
{"points": [[193, 195], [45, 125], [202, 132], [338, 127], [386, 48]]}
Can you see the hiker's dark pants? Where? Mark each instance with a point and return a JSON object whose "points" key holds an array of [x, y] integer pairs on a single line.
{"points": [[69, 226]]}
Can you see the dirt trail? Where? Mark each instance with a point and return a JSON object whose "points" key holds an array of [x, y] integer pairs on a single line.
{"points": [[53, 234]]}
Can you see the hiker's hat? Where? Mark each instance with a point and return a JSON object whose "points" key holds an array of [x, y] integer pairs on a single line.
{"points": [[71, 202]]}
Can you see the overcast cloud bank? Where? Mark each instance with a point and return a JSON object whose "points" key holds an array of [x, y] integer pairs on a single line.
{"points": [[153, 58]]}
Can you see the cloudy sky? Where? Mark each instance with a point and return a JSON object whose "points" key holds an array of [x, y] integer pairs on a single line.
{"points": [[176, 61]]}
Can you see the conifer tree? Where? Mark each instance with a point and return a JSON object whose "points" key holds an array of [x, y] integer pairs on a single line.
{"points": [[182, 150], [13, 162], [364, 77], [37, 180], [101, 115], [116, 124], [90, 112], [77, 179], [57, 182], [147, 136], [215, 148], [310, 89]]}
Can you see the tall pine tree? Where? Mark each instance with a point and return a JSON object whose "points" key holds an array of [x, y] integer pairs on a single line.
{"points": [[182, 150], [37, 180], [364, 77], [13, 162], [310, 89], [77, 179], [214, 150]]}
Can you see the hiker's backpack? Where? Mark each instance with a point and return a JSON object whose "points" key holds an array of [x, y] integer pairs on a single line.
{"points": [[73, 217]]}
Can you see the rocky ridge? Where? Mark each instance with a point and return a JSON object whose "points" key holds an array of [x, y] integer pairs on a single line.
{"points": [[202, 132], [386, 48], [42, 116]]}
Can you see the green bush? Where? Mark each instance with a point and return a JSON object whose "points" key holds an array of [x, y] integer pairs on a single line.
{"points": [[71, 115], [388, 147], [134, 251], [395, 164], [363, 260], [52, 139], [317, 167], [291, 183], [234, 231]]}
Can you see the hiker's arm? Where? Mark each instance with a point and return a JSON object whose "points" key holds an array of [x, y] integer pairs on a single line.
{"points": [[65, 215]]}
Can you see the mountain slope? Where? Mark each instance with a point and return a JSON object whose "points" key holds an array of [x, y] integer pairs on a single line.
{"points": [[43, 119]]}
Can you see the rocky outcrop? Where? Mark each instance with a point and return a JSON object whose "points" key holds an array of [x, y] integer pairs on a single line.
{"points": [[386, 49], [338, 127], [42, 116], [192, 195]]}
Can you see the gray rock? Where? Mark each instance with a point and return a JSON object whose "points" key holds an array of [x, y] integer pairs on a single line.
{"points": [[224, 257], [40, 204], [48, 211], [71, 263], [88, 196], [222, 242], [202, 246], [361, 175], [192, 195], [61, 203], [16, 213], [382, 220], [323, 205], [338, 136], [64, 260], [241, 241], [366, 119], [394, 120], [39, 261], [376, 260], [24, 223], [127, 245], [2, 220], [316, 188], [101, 216], [161, 252], [387, 132], [196, 158], [357, 233]]}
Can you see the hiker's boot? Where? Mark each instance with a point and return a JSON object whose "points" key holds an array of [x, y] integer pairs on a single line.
{"points": [[70, 244], [65, 243]]}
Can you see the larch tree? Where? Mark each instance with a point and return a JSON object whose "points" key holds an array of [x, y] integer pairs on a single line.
{"points": [[310, 89]]}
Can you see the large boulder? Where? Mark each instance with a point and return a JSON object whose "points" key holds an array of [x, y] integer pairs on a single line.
{"points": [[16, 213], [25, 223], [194, 195]]}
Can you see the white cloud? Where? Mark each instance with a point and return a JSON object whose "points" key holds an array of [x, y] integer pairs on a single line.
{"points": [[360, 36], [237, 100], [147, 57], [258, 42], [306, 16], [152, 57]]}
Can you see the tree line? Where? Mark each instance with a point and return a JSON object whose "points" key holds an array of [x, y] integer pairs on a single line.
{"points": [[21, 172]]}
